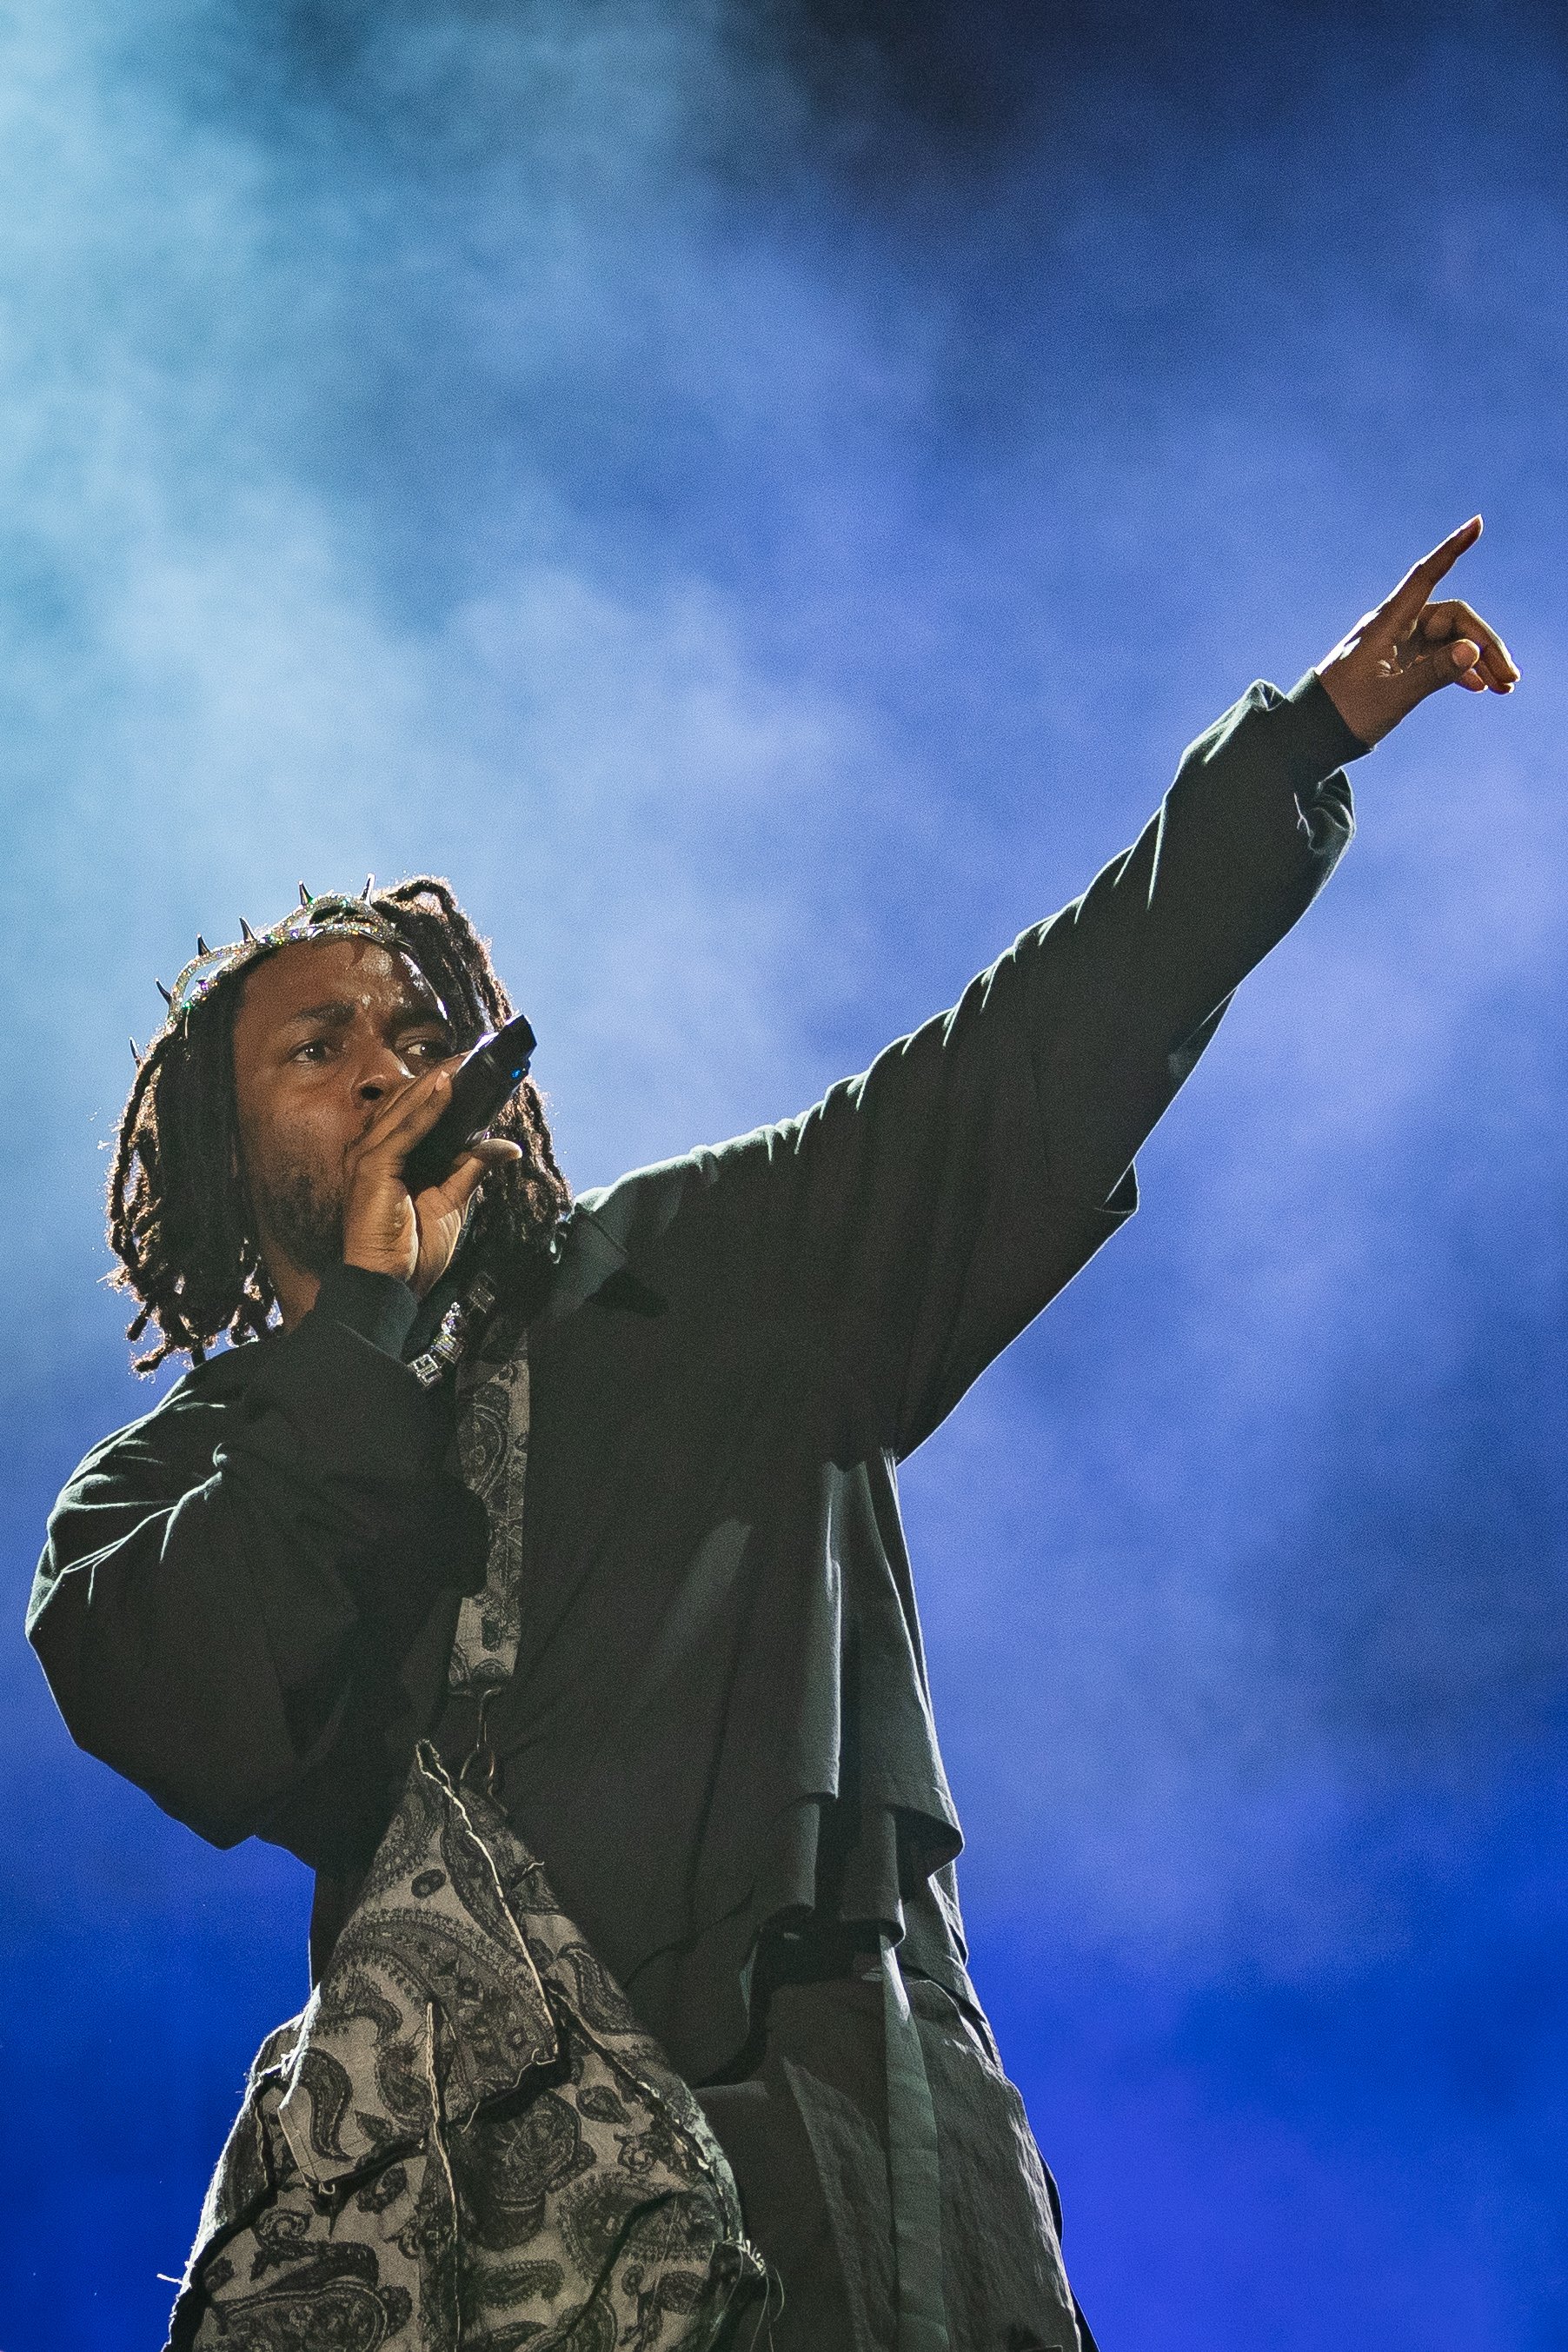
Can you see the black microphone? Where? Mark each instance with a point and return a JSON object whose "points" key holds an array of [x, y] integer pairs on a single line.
{"points": [[484, 1081]]}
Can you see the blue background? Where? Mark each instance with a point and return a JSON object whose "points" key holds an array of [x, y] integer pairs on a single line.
{"points": [[761, 495]]}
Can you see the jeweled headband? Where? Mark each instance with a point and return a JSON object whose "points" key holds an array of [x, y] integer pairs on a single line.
{"points": [[334, 915]]}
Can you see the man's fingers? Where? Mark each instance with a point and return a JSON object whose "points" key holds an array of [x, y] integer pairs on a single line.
{"points": [[1440, 665], [1413, 643], [405, 1117], [482, 1155], [1453, 619], [455, 1190], [1415, 588]]}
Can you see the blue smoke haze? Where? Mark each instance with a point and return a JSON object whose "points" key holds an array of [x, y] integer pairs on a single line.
{"points": [[761, 496]]}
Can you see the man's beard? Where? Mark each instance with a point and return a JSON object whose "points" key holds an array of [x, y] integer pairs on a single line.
{"points": [[304, 1218]]}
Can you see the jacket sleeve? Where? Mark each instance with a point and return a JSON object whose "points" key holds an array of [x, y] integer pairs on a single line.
{"points": [[228, 1588], [921, 1214]]}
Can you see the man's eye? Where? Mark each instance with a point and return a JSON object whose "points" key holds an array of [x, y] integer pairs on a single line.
{"points": [[314, 1049], [434, 1049]]}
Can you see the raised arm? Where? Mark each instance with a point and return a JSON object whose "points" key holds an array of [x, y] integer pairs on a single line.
{"points": [[919, 1216]]}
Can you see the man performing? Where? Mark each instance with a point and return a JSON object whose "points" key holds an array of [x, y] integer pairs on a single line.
{"points": [[682, 1669]]}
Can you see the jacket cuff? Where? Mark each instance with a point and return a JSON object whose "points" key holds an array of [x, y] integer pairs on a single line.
{"points": [[377, 1306], [1321, 741], [356, 1412]]}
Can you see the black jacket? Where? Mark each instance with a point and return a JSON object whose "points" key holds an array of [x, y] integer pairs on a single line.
{"points": [[720, 1712]]}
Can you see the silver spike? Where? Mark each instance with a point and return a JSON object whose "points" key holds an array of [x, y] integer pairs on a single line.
{"points": [[135, 1053], [368, 886], [304, 896], [244, 930], [202, 947], [166, 994]]}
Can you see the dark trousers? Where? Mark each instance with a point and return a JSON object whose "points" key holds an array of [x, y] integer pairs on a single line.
{"points": [[805, 2130]]}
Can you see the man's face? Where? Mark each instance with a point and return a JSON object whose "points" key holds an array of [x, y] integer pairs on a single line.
{"points": [[324, 1030]]}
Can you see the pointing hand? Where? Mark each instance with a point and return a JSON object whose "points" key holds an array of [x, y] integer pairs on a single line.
{"points": [[1407, 647]]}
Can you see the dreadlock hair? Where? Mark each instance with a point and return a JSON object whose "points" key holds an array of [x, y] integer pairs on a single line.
{"points": [[179, 1214]]}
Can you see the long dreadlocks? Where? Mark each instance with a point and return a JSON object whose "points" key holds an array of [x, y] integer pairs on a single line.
{"points": [[179, 1219]]}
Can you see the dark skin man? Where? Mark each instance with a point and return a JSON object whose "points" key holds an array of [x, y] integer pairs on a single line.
{"points": [[711, 1723]]}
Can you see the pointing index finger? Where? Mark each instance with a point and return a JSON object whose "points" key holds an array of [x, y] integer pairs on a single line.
{"points": [[1421, 579]]}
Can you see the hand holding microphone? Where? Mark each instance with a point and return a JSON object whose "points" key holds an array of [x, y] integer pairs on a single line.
{"points": [[421, 1160]]}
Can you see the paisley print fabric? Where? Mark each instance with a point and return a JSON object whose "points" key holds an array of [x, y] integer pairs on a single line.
{"points": [[464, 2139], [492, 1453]]}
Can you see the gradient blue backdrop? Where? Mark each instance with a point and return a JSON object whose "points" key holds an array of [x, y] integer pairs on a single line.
{"points": [[761, 495]]}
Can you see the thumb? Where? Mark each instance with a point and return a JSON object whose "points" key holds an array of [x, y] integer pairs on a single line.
{"points": [[1443, 666], [1462, 655], [457, 1189]]}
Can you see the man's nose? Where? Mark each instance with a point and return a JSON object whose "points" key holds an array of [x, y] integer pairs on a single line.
{"points": [[383, 1070]]}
